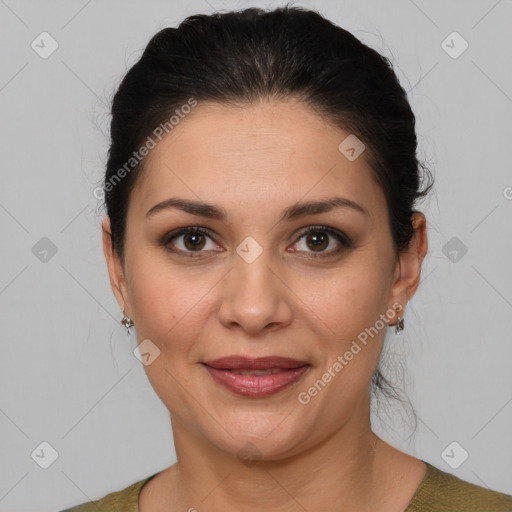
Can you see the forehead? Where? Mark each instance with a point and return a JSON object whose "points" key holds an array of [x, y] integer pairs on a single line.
{"points": [[255, 156]]}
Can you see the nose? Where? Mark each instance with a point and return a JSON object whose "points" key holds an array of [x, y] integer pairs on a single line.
{"points": [[255, 297]]}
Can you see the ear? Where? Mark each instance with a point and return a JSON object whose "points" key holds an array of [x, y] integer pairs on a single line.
{"points": [[408, 266], [115, 268]]}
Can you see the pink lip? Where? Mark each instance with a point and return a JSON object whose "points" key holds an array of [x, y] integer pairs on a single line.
{"points": [[257, 385], [252, 363]]}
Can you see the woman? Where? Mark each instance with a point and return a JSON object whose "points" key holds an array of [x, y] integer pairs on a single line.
{"points": [[261, 236]]}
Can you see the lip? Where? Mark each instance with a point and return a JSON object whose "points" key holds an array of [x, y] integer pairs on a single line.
{"points": [[291, 371], [236, 362]]}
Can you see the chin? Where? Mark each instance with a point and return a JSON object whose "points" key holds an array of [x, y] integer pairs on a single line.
{"points": [[261, 439]]}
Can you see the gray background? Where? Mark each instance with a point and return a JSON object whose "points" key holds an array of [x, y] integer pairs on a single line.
{"points": [[68, 375]]}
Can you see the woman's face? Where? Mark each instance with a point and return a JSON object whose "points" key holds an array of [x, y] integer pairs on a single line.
{"points": [[254, 284]]}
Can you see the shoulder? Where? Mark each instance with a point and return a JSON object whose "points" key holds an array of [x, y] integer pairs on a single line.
{"points": [[443, 491], [126, 500]]}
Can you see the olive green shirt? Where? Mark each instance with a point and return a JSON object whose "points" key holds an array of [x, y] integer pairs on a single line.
{"points": [[437, 492]]}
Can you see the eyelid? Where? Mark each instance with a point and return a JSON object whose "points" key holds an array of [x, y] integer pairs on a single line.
{"points": [[344, 240], [166, 240]]}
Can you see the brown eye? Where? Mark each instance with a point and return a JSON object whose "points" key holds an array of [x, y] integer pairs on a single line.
{"points": [[193, 241], [189, 240], [318, 239]]}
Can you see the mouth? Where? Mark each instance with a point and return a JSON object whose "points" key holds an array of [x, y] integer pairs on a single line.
{"points": [[237, 362], [256, 377]]}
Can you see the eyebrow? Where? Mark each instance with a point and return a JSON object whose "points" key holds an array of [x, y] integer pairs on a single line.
{"points": [[295, 211]]}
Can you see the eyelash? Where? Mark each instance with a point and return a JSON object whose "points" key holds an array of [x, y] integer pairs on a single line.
{"points": [[343, 239]]}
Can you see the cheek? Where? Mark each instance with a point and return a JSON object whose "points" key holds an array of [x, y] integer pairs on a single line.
{"points": [[346, 300], [171, 307], [161, 297], [167, 310], [345, 314]]}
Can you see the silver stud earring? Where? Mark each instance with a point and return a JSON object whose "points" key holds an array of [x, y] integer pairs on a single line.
{"points": [[128, 323], [400, 324]]}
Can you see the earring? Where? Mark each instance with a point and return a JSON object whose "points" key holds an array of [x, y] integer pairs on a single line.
{"points": [[400, 324], [128, 323]]}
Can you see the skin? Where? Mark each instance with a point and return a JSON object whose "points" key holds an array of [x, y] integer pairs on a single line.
{"points": [[255, 161]]}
